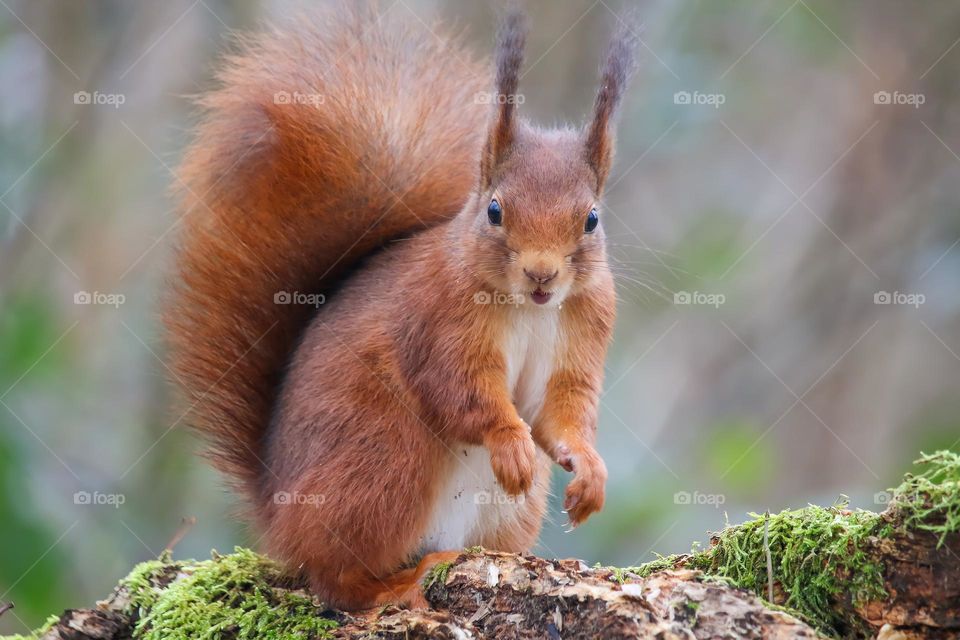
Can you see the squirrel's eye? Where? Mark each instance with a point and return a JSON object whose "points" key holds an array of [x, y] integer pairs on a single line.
{"points": [[495, 213], [592, 221]]}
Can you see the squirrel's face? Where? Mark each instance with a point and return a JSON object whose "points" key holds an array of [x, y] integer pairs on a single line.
{"points": [[538, 230], [539, 226]]}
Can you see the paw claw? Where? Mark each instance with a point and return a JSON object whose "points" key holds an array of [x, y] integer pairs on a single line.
{"points": [[585, 493]]}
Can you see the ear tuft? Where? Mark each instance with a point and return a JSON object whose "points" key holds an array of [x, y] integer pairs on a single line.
{"points": [[619, 65], [511, 39]]}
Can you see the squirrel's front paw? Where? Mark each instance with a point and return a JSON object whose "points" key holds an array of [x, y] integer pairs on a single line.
{"points": [[512, 456], [585, 493]]}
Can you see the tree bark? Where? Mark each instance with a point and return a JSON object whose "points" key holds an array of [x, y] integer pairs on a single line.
{"points": [[857, 574], [506, 596]]}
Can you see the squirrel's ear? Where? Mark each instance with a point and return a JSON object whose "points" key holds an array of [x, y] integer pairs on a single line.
{"points": [[617, 69], [511, 37]]}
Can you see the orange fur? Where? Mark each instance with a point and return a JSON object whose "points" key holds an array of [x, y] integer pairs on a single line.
{"points": [[354, 429]]}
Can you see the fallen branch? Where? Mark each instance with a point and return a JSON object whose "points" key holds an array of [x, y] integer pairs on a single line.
{"points": [[481, 595], [854, 573], [834, 572]]}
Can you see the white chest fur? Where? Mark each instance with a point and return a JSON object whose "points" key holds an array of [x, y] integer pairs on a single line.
{"points": [[530, 349], [471, 506]]}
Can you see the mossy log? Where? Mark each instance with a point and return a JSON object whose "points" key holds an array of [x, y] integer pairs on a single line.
{"points": [[853, 573], [481, 595], [833, 572]]}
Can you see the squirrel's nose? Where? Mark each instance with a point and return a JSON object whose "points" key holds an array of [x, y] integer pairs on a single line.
{"points": [[541, 276]]}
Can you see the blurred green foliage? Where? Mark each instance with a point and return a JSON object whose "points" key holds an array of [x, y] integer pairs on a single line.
{"points": [[731, 452], [27, 330], [32, 565]]}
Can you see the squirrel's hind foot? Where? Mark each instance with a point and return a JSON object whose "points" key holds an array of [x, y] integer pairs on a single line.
{"points": [[361, 592]]}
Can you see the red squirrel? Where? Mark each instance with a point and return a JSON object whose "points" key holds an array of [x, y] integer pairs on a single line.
{"points": [[393, 302]]}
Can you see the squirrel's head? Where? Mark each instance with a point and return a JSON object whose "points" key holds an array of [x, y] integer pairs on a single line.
{"points": [[537, 217]]}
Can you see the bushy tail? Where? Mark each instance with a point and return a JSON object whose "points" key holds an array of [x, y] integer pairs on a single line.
{"points": [[325, 140]]}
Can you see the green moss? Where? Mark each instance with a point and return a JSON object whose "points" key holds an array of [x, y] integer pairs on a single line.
{"points": [[822, 555], [241, 595], [930, 501], [818, 554], [437, 575], [147, 582], [620, 575]]}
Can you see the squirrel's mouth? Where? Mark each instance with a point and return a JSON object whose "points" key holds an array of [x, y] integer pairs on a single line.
{"points": [[540, 296]]}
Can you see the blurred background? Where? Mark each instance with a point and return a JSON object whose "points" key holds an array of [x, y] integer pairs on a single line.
{"points": [[783, 219]]}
